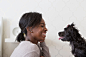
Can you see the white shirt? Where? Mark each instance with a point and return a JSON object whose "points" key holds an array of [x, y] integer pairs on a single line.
{"points": [[26, 49]]}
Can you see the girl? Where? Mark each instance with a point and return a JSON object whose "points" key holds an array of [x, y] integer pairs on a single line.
{"points": [[33, 31]]}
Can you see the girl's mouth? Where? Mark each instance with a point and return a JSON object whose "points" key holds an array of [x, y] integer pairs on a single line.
{"points": [[44, 35]]}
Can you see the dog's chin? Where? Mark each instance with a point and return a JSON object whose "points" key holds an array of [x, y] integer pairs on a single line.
{"points": [[63, 39]]}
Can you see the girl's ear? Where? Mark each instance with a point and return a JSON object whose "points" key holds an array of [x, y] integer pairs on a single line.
{"points": [[29, 29]]}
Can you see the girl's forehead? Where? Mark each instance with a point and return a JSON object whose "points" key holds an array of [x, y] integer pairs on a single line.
{"points": [[42, 21]]}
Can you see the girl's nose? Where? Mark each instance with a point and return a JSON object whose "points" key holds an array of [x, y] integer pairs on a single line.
{"points": [[46, 29]]}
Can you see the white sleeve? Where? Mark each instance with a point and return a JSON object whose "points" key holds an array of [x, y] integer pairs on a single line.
{"points": [[45, 50], [32, 54]]}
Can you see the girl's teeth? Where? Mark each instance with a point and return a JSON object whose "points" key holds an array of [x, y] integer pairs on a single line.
{"points": [[44, 34]]}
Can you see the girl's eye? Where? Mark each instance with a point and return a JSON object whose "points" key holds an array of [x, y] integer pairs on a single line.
{"points": [[42, 26]]}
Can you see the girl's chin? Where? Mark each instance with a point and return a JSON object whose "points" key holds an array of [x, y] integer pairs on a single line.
{"points": [[41, 41]]}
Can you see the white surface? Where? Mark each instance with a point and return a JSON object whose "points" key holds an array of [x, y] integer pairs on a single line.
{"points": [[14, 31], [10, 40], [1, 27]]}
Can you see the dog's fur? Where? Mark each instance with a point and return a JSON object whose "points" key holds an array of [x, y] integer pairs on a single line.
{"points": [[72, 35]]}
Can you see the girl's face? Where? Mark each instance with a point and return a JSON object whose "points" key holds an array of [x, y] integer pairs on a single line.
{"points": [[39, 32]]}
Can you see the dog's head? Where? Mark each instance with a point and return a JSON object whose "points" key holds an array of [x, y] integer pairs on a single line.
{"points": [[70, 33]]}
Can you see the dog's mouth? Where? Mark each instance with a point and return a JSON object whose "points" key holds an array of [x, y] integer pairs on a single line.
{"points": [[61, 38], [61, 35]]}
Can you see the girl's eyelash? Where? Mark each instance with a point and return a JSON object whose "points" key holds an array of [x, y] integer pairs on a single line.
{"points": [[42, 26]]}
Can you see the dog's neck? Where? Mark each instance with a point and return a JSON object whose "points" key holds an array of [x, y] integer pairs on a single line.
{"points": [[78, 42]]}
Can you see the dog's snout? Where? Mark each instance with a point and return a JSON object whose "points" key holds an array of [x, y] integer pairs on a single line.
{"points": [[59, 33]]}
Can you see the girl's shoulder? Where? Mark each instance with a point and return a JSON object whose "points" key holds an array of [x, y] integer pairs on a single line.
{"points": [[29, 45]]}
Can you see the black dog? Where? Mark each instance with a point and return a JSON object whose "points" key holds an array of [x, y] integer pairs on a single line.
{"points": [[78, 44]]}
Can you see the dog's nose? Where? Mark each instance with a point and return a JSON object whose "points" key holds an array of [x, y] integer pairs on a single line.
{"points": [[59, 33]]}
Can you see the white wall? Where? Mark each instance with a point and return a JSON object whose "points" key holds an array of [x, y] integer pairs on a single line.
{"points": [[56, 13], [1, 34]]}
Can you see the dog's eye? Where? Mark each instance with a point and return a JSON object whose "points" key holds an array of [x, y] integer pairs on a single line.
{"points": [[65, 28]]}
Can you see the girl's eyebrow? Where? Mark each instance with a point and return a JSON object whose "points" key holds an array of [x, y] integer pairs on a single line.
{"points": [[43, 23]]}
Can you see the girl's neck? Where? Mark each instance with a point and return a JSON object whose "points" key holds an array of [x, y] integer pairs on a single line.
{"points": [[31, 40]]}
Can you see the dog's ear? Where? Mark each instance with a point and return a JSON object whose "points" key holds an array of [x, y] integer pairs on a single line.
{"points": [[72, 24]]}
